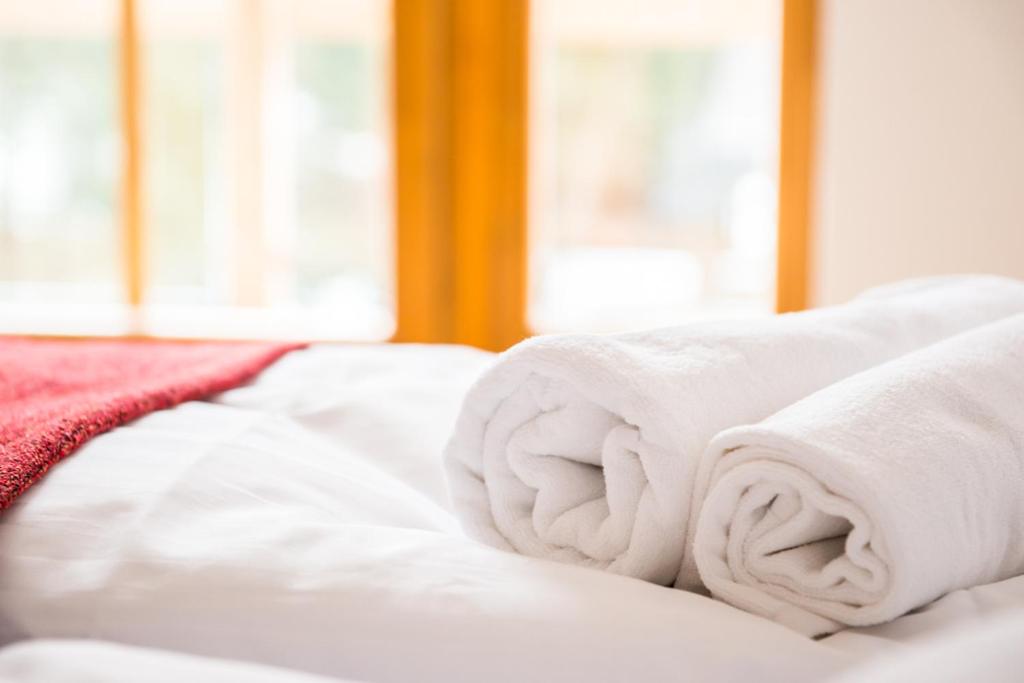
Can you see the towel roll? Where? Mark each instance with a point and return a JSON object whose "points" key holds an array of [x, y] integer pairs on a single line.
{"points": [[583, 448], [876, 495]]}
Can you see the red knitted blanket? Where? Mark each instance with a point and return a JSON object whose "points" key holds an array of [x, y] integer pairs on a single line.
{"points": [[56, 395]]}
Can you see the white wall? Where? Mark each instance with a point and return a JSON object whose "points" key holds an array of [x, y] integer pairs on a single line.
{"points": [[921, 141]]}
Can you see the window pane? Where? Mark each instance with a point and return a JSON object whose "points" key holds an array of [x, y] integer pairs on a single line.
{"points": [[654, 151], [182, 52], [340, 157], [267, 163], [58, 153]]}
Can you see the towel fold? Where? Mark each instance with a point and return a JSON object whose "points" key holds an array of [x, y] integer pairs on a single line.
{"points": [[583, 448], [875, 495]]}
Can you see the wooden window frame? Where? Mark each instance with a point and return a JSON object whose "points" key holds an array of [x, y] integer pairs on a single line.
{"points": [[796, 154], [131, 207], [461, 140], [460, 93], [422, 102], [460, 109]]}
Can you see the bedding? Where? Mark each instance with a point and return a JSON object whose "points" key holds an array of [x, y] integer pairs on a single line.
{"points": [[259, 526], [960, 609], [55, 395], [83, 661], [300, 521], [989, 652], [877, 494], [584, 448]]}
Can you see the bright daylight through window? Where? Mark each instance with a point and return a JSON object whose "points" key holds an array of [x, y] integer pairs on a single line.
{"points": [[265, 166], [654, 160]]}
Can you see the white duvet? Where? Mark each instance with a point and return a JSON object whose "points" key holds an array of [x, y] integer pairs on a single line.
{"points": [[94, 661], [301, 522]]}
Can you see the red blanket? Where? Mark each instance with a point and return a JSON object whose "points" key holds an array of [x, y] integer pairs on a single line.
{"points": [[55, 395]]}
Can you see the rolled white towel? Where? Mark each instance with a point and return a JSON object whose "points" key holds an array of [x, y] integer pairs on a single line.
{"points": [[583, 448], [875, 495]]}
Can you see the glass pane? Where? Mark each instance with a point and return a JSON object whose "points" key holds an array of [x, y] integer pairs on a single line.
{"points": [[654, 152], [267, 162], [58, 153], [340, 158], [182, 51]]}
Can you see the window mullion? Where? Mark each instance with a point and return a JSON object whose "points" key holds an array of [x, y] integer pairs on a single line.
{"points": [[131, 209], [796, 142], [489, 149], [245, 139], [424, 255]]}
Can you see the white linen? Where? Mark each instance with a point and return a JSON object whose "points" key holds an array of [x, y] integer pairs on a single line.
{"points": [[965, 608], [583, 448], [389, 405], [294, 523], [86, 661], [875, 495], [989, 652]]}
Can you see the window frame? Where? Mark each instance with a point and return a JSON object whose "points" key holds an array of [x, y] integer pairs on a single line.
{"points": [[797, 97], [460, 112], [461, 94]]}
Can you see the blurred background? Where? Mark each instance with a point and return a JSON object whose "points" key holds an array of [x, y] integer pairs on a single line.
{"points": [[478, 170]]}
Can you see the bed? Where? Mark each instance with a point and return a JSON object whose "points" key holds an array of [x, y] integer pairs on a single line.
{"points": [[301, 522]]}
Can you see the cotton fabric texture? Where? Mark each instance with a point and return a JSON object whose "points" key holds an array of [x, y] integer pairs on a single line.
{"points": [[987, 650], [584, 448], [876, 495], [92, 661], [299, 521]]}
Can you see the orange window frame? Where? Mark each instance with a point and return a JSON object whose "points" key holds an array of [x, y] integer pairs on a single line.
{"points": [[460, 102], [796, 154], [131, 208], [461, 139], [460, 112]]}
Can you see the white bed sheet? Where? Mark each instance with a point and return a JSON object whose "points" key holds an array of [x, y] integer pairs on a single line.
{"points": [[91, 661], [301, 521]]}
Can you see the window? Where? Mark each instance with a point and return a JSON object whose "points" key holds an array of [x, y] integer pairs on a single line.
{"points": [[264, 176], [655, 158], [441, 170], [58, 168], [267, 166]]}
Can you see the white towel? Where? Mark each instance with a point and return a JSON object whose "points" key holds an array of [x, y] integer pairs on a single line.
{"points": [[875, 495], [583, 448]]}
